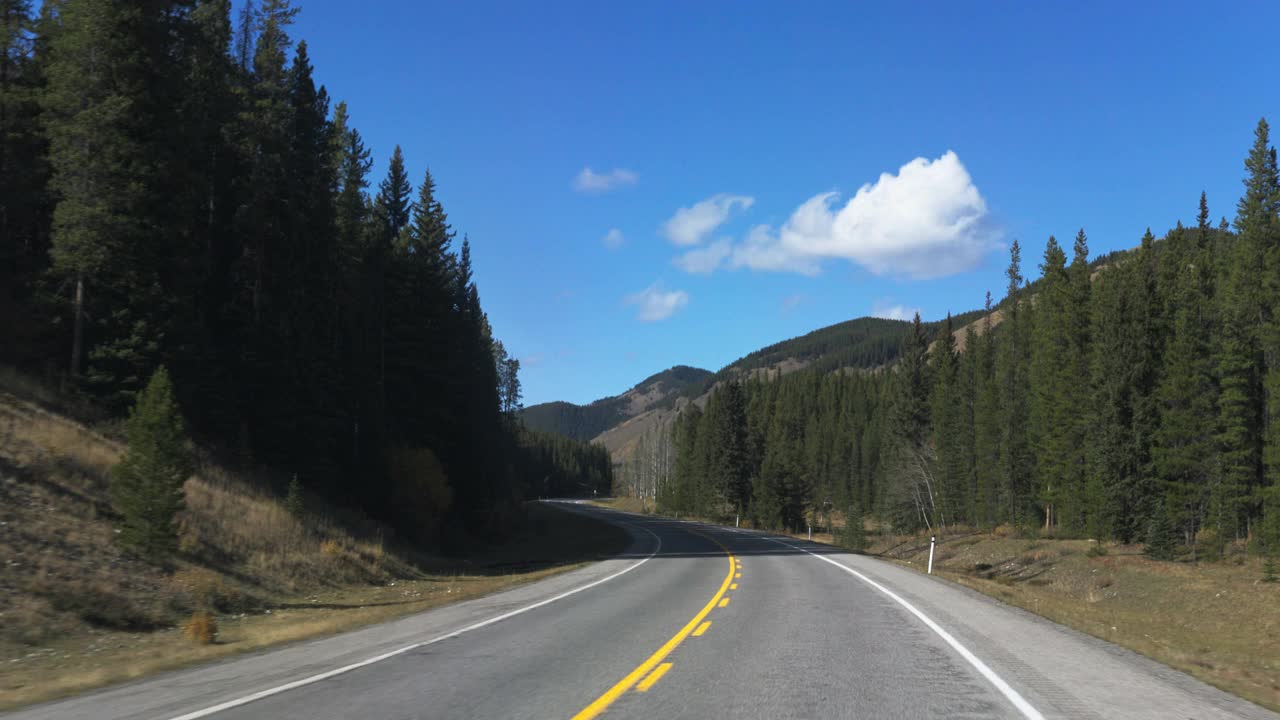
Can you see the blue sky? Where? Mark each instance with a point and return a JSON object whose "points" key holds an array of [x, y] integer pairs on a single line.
{"points": [[1013, 120]]}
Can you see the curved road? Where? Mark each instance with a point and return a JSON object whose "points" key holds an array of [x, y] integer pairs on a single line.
{"points": [[694, 621]]}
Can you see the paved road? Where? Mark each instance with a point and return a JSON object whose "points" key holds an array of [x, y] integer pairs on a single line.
{"points": [[692, 622]]}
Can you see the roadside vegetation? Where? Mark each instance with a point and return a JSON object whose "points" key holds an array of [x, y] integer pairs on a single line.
{"points": [[1217, 621], [246, 562]]}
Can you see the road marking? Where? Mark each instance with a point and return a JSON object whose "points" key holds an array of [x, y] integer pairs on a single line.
{"points": [[737, 576], [702, 628], [733, 586], [206, 712], [626, 683], [1027, 710], [724, 602], [654, 677]]}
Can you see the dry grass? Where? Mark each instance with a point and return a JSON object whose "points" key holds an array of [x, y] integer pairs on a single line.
{"points": [[77, 612], [68, 665], [1216, 621], [625, 504]]}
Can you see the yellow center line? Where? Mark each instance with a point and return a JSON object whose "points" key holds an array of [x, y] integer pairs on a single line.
{"points": [[733, 586], [654, 677], [701, 629], [724, 602], [626, 683], [738, 576]]}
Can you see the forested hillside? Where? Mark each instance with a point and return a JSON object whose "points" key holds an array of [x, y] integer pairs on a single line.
{"points": [[1136, 399], [176, 190], [584, 422]]}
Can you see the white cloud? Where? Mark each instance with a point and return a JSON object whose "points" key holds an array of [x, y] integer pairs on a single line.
{"points": [[589, 181], [889, 310], [656, 303], [705, 259], [690, 225], [762, 251], [613, 239], [927, 221]]}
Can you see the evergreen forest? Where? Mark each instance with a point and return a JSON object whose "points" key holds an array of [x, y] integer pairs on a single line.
{"points": [[1133, 397], [178, 192]]}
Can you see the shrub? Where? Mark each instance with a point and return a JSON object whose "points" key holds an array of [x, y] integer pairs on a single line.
{"points": [[146, 485], [1096, 550], [422, 489], [202, 628], [293, 500], [1209, 545], [853, 536]]}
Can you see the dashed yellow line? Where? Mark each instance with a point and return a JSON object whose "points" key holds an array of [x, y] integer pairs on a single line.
{"points": [[654, 677], [702, 628], [733, 586], [649, 665], [724, 602], [737, 576]]}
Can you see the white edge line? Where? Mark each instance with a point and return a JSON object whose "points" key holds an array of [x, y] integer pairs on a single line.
{"points": [[400, 651], [1007, 690]]}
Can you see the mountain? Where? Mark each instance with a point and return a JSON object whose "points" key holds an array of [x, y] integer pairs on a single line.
{"points": [[585, 422], [621, 421], [864, 343]]}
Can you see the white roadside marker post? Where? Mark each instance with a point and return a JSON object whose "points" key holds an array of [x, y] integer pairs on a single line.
{"points": [[736, 518], [810, 532], [932, 540]]}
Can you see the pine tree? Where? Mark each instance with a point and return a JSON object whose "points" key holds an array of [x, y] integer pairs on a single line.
{"points": [[391, 210], [914, 500], [293, 501], [946, 414], [24, 202], [1124, 369], [854, 534], [104, 107], [1011, 372], [1241, 355], [987, 427], [1074, 387], [146, 485], [727, 470], [1161, 541], [1049, 378], [1183, 444]]}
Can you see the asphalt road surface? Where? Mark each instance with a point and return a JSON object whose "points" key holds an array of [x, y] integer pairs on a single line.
{"points": [[693, 621]]}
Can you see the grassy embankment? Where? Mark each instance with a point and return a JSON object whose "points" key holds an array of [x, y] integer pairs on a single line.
{"points": [[1215, 620], [76, 612]]}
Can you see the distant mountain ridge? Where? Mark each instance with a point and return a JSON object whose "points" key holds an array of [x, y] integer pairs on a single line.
{"points": [[861, 344], [618, 422], [585, 422]]}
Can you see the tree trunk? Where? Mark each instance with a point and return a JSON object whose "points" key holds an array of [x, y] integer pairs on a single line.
{"points": [[77, 336]]}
